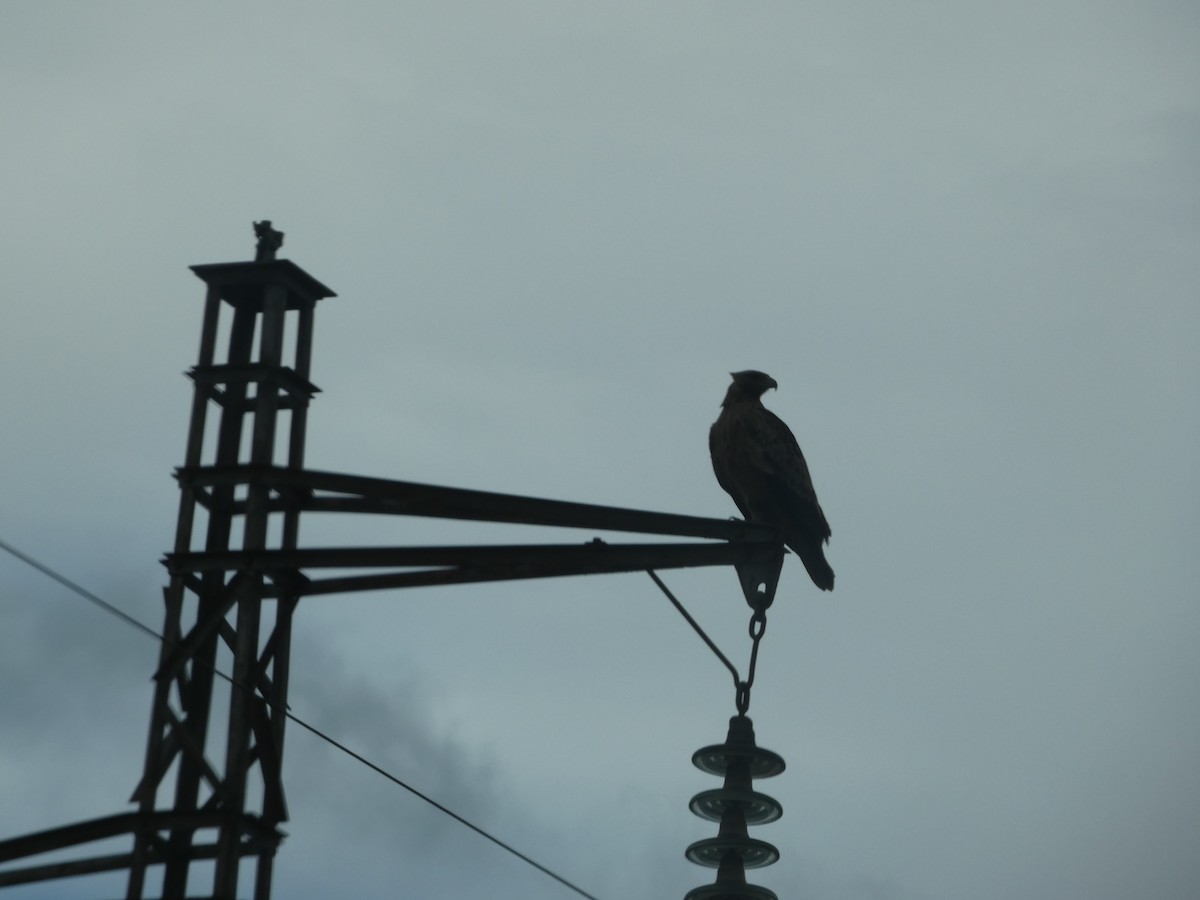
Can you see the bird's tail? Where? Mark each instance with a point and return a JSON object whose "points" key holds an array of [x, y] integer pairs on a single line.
{"points": [[814, 561]]}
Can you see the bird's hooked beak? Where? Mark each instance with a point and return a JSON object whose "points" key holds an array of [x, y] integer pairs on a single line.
{"points": [[753, 380]]}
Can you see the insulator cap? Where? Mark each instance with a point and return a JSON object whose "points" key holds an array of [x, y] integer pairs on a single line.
{"points": [[731, 892], [759, 809], [739, 745], [731, 884], [753, 853]]}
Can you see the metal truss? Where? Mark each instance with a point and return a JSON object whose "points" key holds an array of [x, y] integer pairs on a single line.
{"points": [[237, 575]]}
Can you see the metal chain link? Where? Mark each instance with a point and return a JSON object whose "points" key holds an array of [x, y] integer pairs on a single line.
{"points": [[758, 627]]}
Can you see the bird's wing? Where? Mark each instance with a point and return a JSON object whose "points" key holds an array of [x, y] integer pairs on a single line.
{"points": [[726, 459], [771, 449]]}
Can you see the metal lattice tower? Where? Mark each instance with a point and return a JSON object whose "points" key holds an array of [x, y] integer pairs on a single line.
{"points": [[239, 415], [211, 793]]}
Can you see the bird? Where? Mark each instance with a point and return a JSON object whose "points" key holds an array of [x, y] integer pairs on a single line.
{"points": [[758, 462]]}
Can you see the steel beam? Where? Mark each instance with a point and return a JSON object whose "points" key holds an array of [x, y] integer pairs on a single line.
{"points": [[310, 490]]}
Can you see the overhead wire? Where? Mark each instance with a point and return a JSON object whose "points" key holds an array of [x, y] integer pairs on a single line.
{"points": [[312, 729]]}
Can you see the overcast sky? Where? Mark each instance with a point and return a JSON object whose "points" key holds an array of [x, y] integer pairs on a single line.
{"points": [[962, 238]]}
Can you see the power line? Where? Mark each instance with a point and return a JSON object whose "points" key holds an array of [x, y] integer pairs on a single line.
{"points": [[87, 595], [312, 729]]}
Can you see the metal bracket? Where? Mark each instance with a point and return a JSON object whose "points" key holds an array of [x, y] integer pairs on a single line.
{"points": [[759, 580]]}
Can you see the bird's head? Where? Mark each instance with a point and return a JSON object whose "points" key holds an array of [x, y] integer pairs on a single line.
{"points": [[753, 383]]}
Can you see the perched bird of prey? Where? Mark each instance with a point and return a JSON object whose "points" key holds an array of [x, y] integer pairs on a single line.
{"points": [[759, 464]]}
